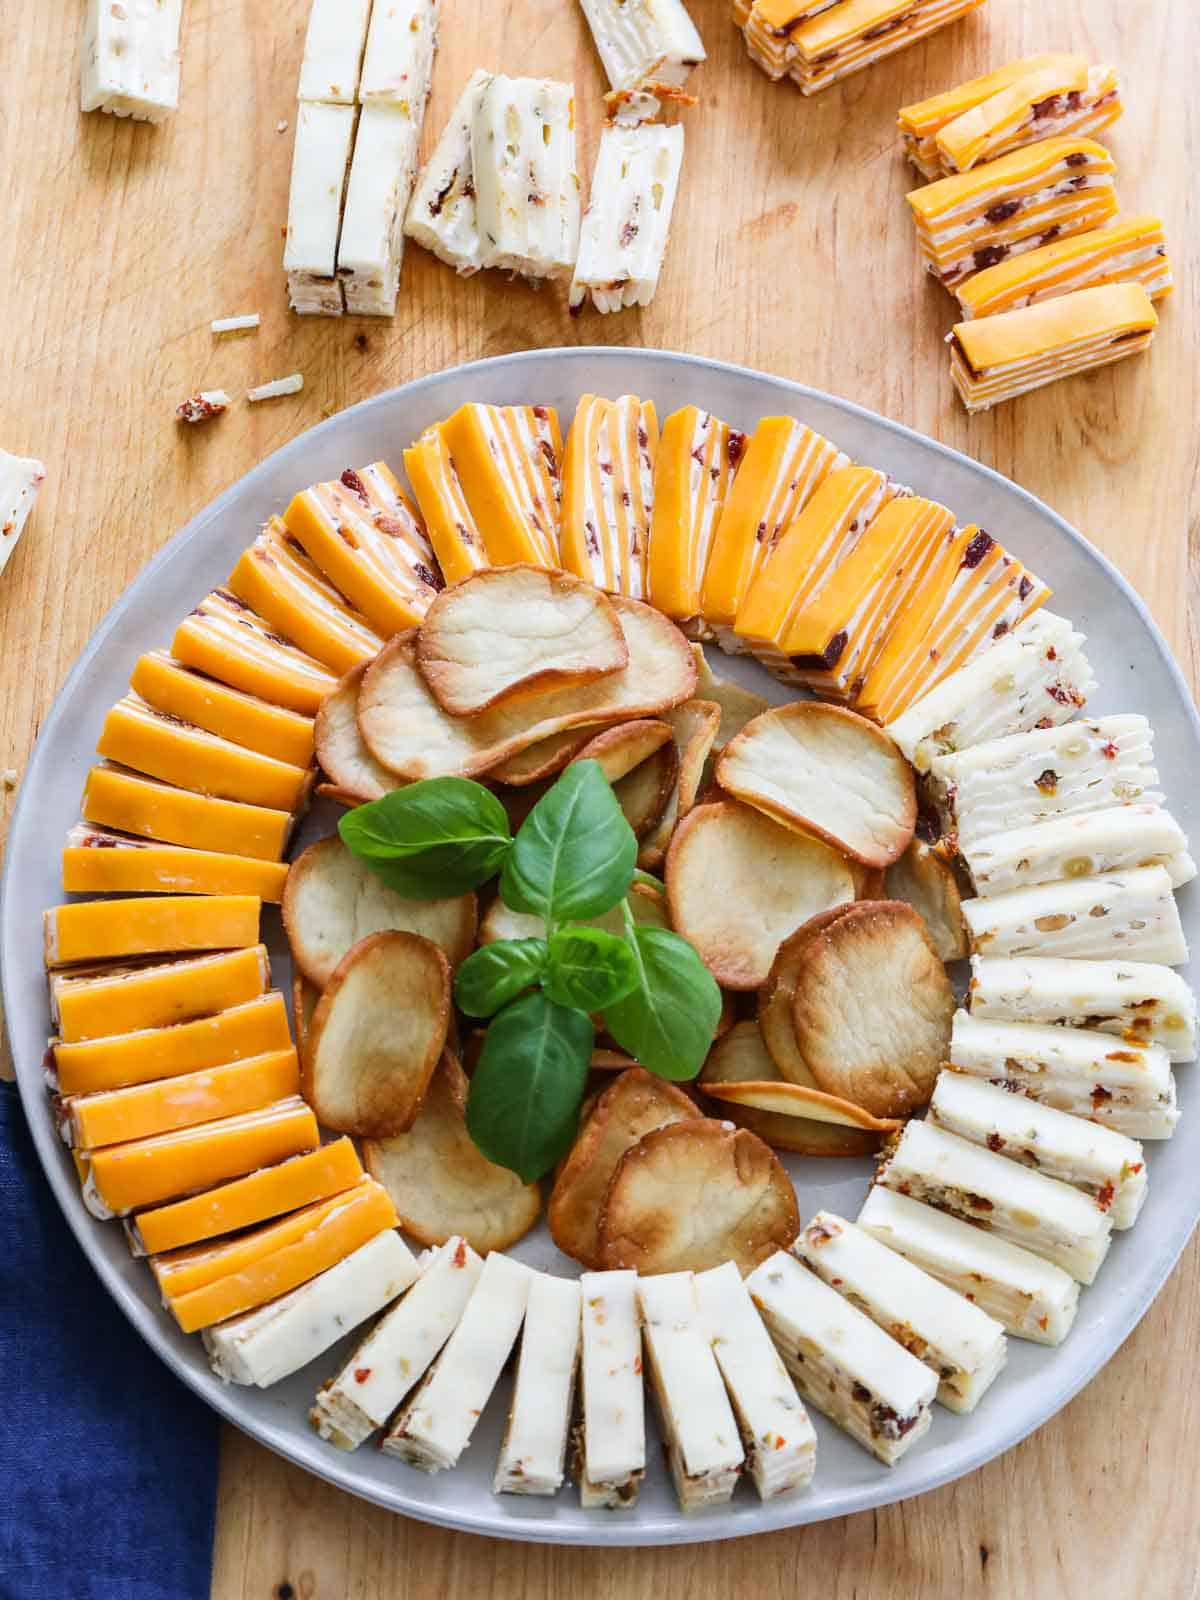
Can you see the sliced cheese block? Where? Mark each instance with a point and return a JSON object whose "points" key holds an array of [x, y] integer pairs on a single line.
{"points": [[109, 930], [453, 531], [1083, 846], [533, 1454], [694, 469], [129, 59], [244, 719], [768, 27], [524, 166], [508, 463], [442, 214], [611, 1453], [1130, 913], [1129, 250], [225, 639], [320, 160], [608, 493], [333, 47], [119, 999], [399, 56], [371, 247], [628, 220], [98, 862], [644, 46], [863, 32], [133, 804]]}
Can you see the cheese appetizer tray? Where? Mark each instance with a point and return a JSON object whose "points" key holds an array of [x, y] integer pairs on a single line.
{"points": [[827, 1304]]}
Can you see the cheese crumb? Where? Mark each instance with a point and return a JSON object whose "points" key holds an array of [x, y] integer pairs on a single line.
{"points": [[236, 324], [276, 388], [203, 407], [282, 125]]}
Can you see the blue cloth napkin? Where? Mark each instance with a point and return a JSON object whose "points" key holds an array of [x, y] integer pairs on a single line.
{"points": [[108, 1465]]}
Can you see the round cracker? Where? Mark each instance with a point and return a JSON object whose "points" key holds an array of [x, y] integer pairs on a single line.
{"points": [[693, 1195], [645, 793], [872, 1009], [621, 748], [332, 900], [777, 994], [829, 771], [541, 760], [439, 1181], [926, 880], [790, 1100], [739, 883], [695, 725], [353, 772], [304, 1002]]}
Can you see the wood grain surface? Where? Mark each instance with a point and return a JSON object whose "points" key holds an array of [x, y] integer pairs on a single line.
{"points": [[792, 252]]}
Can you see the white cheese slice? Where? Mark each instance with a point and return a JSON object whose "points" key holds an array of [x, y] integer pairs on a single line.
{"points": [[20, 479], [435, 1426], [1040, 1214], [526, 178], [1080, 847], [701, 1437], [1120, 1084], [1132, 913], [644, 42], [533, 1455], [399, 1350], [844, 1364], [1105, 1164], [1136, 1000], [611, 1458], [320, 161], [333, 50], [371, 247], [1032, 1298], [129, 58], [398, 65], [961, 1344], [779, 1439], [264, 1346], [628, 220], [442, 212]]}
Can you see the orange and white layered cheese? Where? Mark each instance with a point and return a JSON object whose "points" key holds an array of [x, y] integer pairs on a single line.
{"points": [[115, 798], [453, 531], [608, 493], [698, 456], [96, 861], [95, 1003], [113, 930], [224, 638], [508, 463], [624, 235], [1130, 250], [178, 691]]}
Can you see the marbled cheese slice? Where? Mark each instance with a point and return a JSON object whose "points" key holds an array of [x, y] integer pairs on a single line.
{"points": [[116, 798], [608, 493], [921, 122], [96, 861], [169, 686], [1131, 912], [453, 531], [508, 462], [534, 1452], [644, 43], [223, 637]]}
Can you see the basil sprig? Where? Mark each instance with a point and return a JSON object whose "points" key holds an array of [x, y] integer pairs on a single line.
{"points": [[573, 858]]}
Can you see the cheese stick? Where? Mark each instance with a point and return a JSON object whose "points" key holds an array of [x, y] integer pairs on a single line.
{"points": [[779, 1440], [623, 238], [398, 63], [610, 1452], [320, 161], [264, 1346], [382, 173], [608, 493], [98, 862], [1015, 782], [533, 1455], [1084, 846], [435, 1425], [1065, 96], [176, 690], [129, 58], [768, 27], [442, 214], [1034, 676], [120, 999], [843, 1364], [701, 1438], [144, 740], [1038, 1213], [646, 44], [1105, 1164], [399, 1350], [525, 174], [834, 41], [225, 639], [1031, 1298], [1135, 1000], [508, 463], [997, 358], [1115, 1082], [1018, 202], [296, 1181], [20, 479], [1129, 250], [277, 580], [698, 456], [333, 49], [256, 1026], [453, 531], [963, 1346], [145, 1172], [362, 532], [1089, 918], [133, 804], [112, 930]]}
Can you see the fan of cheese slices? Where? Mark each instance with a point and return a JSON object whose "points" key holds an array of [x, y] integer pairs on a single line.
{"points": [[933, 794]]}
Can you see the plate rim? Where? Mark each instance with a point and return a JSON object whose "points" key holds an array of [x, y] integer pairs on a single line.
{"points": [[155, 1333]]}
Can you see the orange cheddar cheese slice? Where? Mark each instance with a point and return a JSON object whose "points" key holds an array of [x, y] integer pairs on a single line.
{"points": [[176, 690], [113, 1116], [304, 1246], [508, 462], [921, 122], [362, 532], [225, 639], [784, 465], [96, 861], [820, 538], [112, 930], [257, 1026], [272, 1191], [131, 803], [144, 1172], [845, 38], [453, 531], [278, 581], [698, 456], [1130, 250], [121, 999], [1008, 118], [608, 493], [144, 740]]}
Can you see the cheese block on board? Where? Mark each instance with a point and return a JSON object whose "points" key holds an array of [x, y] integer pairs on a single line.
{"points": [[116, 999], [624, 233], [129, 58], [320, 162], [646, 45], [112, 930], [525, 173], [442, 214], [823, 43], [608, 493]]}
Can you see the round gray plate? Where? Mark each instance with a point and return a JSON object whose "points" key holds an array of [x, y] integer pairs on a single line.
{"points": [[1136, 673]]}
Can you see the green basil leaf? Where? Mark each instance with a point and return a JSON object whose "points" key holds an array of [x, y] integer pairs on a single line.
{"points": [[588, 968], [668, 1021], [575, 854], [498, 973], [523, 1108], [439, 837]]}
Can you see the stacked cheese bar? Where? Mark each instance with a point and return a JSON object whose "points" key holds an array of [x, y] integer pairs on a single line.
{"points": [[364, 84], [1130, 250], [129, 59], [20, 479], [647, 47]]}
